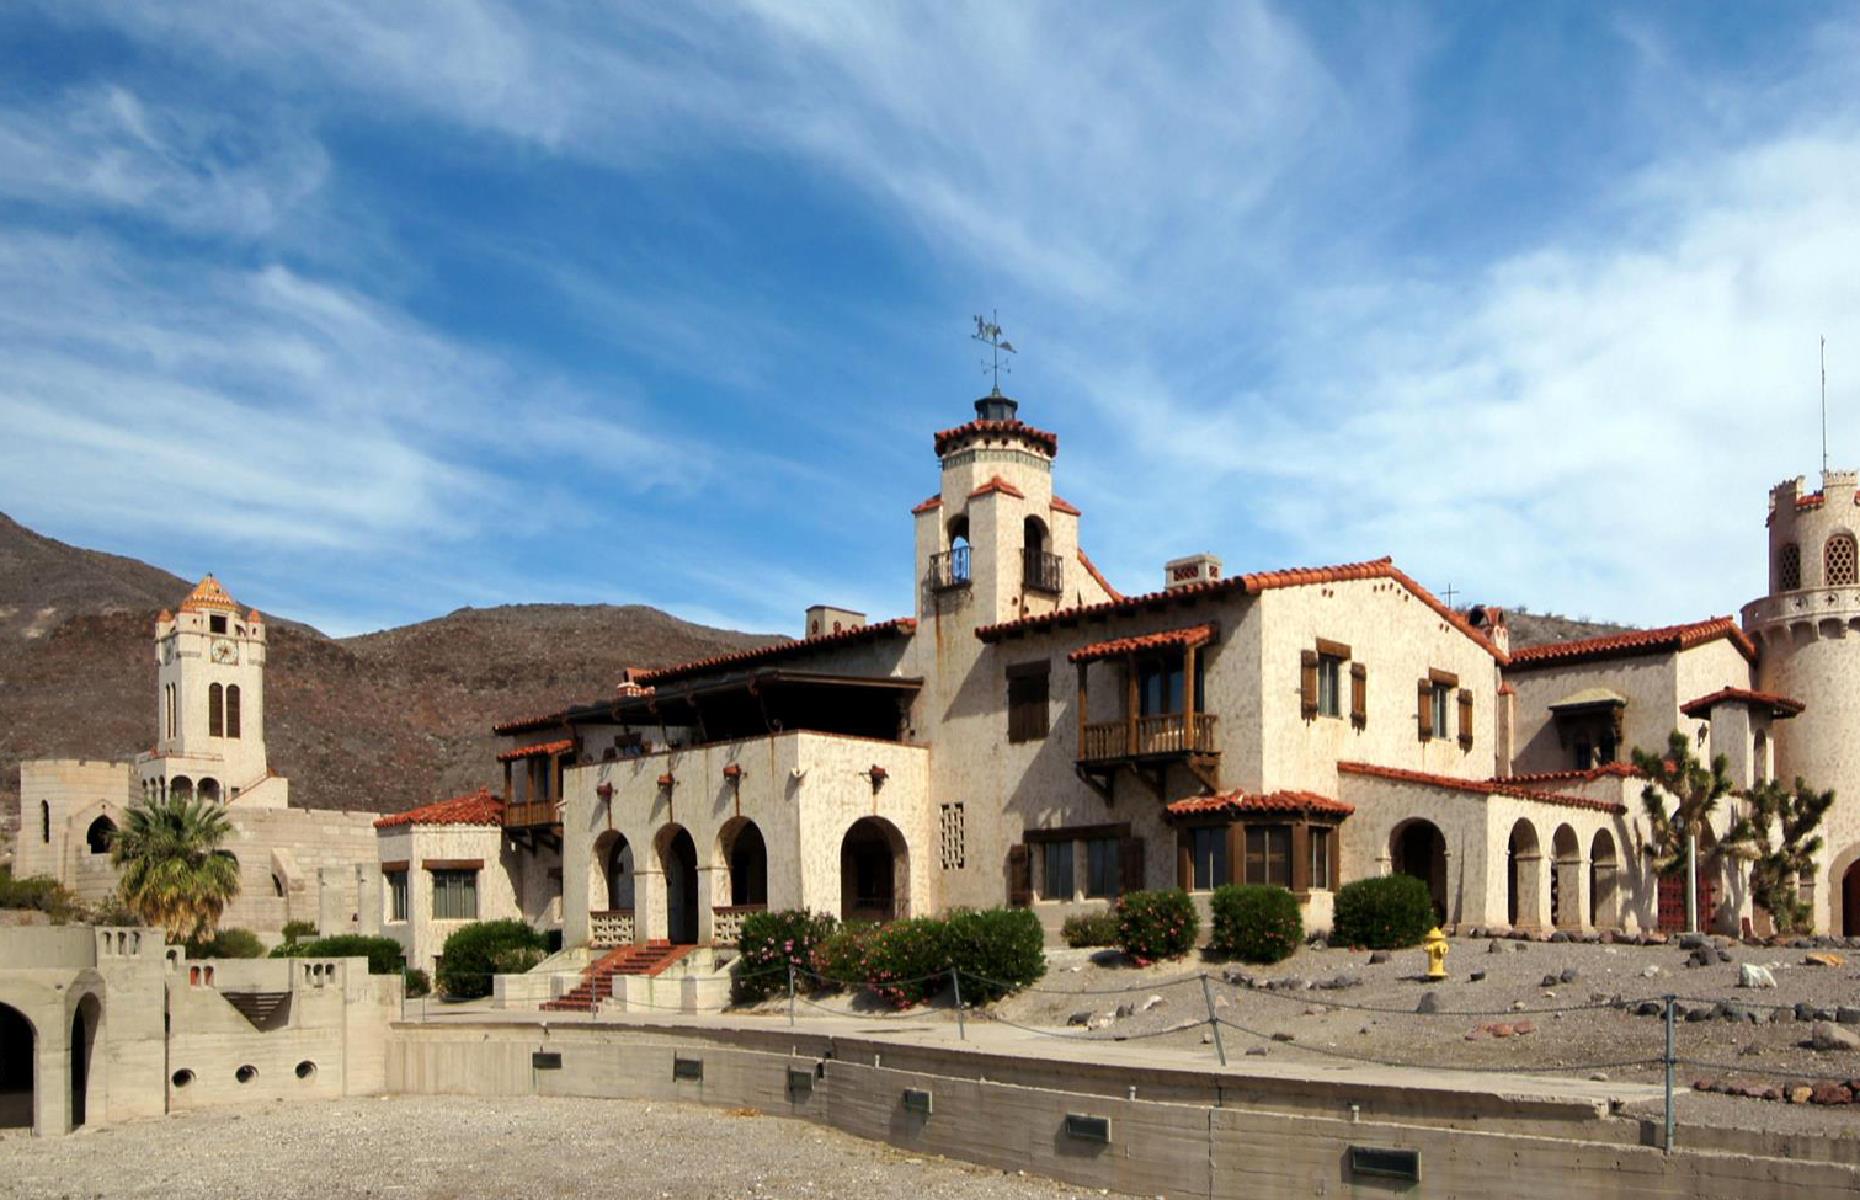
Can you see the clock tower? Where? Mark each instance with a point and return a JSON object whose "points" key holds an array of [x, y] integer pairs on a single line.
{"points": [[210, 704]]}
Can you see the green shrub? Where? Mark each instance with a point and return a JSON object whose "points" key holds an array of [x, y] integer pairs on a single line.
{"points": [[1156, 925], [1256, 923], [416, 983], [299, 931], [997, 950], [41, 893], [517, 960], [384, 955], [907, 962], [840, 960], [468, 960], [228, 943], [771, 943], [290, 950], [1090, 929], [1383, 913]]}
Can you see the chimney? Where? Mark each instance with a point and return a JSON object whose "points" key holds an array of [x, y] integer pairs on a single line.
{"points": [[1490, 621], [824, 620], [1186, 572]]}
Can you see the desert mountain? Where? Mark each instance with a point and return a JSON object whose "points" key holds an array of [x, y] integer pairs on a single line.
{"points": [[381, 722]]}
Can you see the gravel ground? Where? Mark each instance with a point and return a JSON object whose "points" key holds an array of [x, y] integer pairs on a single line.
{"points": [[451, 1146], [1326, 1025]]}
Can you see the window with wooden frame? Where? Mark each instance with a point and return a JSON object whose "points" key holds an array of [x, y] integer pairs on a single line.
{"points": [[1318, 838], [1269, 854], [397, 894], [1056, 871], [455, 895], [1320, 682], [1434, 702], [1207, 856], [1028, 706], [1103, 876]]}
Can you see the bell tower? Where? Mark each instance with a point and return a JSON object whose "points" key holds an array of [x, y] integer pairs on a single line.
{"points": [[210, 703]]}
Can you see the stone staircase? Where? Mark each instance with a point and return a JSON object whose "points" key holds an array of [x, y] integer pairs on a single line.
{"points": [[596, 983]]}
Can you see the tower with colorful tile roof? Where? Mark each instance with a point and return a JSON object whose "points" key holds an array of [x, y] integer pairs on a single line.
{"points": [[1807, 629], [210, 678]]}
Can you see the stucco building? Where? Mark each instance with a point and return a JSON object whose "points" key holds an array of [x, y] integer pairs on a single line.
{"points": [[294, 864], [1031, 735]]}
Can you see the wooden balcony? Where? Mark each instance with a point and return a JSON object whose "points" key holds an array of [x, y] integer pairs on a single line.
{"points": [[1042, 572], [528, 816], [1148, 747]]}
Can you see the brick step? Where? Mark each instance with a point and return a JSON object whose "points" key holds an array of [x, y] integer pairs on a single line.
{"points": [[638, 961]]}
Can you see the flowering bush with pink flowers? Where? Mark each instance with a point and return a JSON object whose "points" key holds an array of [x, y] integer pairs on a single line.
{"points": [[771, 943], [1156, 925]]}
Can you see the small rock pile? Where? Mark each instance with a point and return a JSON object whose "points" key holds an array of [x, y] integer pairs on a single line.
{"points": [[1827, 1091]]}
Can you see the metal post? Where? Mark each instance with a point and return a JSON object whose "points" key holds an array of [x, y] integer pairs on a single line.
{"points": [[791, 995], [1671, 1005], [1207, 994], [962, 1029], [1692, 882]]}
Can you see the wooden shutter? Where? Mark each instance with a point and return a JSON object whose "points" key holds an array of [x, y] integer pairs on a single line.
{"points": [[1359, 695], [1130, 864], [1466, 719], [1308, 684], [1424, 702], [1020, 876]]}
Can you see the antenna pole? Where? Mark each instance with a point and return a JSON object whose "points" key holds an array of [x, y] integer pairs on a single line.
{"points": [[1824, 404]]}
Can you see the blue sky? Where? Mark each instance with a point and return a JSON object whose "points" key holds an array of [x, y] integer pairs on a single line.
{"points": [[379, 310]]}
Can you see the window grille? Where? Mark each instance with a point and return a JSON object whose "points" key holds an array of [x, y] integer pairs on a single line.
{"points": [[1789, 568], [1841, 560], [953, 839]]}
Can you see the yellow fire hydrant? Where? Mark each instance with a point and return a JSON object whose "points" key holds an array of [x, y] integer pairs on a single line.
{"points": [[1435, 943]]}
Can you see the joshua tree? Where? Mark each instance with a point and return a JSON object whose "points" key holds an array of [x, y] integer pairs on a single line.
{"points": [[175, 874], [1674, 844], [1777, 865]]}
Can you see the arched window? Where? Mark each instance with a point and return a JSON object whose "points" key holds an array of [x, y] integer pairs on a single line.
{"points": [[232, 710], [45, 821], [1839, 560], [101, 835], [216, 713], [1789, 568], [1039, 567]]}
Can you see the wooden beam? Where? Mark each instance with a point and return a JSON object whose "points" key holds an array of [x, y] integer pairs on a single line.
{"points": [[1106, 787], [1207, 770]]}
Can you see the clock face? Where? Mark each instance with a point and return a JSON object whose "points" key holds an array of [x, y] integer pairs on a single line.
{"points": [[225, 652]]}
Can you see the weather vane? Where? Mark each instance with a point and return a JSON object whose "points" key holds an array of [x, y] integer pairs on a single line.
{"points": [[988, 332]]}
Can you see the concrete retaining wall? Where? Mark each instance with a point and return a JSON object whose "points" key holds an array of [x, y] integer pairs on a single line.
{"points": [[1172, 1132]]}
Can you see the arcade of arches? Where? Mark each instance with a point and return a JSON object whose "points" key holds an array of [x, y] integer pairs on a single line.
{"points": [[17, 1045]]}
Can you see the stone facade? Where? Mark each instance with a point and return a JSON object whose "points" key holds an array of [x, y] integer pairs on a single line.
{"points": [[294, 864]]}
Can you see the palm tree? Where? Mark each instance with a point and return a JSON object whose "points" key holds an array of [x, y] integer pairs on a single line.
{"points": [[1674, 842], [175, 874], [1778, 863]]}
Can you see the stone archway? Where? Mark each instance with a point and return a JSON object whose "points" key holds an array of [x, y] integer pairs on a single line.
{"points": [[1848, 902], [613, 864], [85, 1021], [100, 836], [1566, 879], [874, 872], [1524, 864], [746, 855], [18, 1046], [1604, 882], [678, 860], [1418, 848]]}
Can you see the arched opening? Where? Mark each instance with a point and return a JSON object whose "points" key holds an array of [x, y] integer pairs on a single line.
{"points": [[1040, 567], [1418, 848], [748, 856], [216, 711], [1850, 901], [1760, 767], [678, 859], [958, 563], [101, 835], [16, 1067], [1789, 568], [277, 884], [180, 788], [1604, 901], [1523, 861], [614, 860], [83, 1051], [1566, 879], [45, 821], [232, 710], [874, 871], [210, 790]]}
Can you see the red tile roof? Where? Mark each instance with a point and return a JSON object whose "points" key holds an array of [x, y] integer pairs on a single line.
{"points": [[207, 596], [473, 808], [1269, 802], [529, 723], [998, 484], [930, 505], [1193, 635], [1780, 706], [1615, 770], [540, 750], [1815, 500], [1091, 569], [1253, 584], [949, 439], [1481, 787], [898, 627], [1635, 641], [1061, 505]]}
